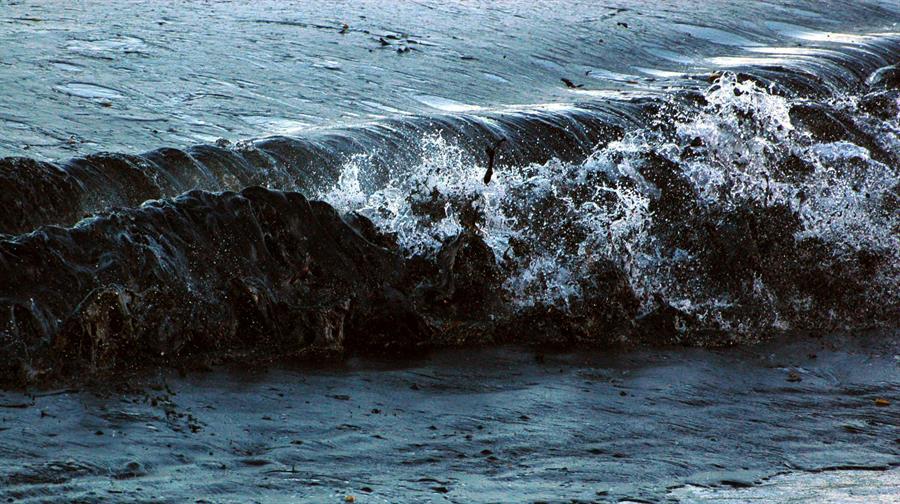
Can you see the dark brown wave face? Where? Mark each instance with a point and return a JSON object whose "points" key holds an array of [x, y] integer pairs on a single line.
{"points": [[721, 210]]}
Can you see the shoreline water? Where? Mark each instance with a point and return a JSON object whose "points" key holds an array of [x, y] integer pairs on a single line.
{"points": [[735, 212], [486, 425]]}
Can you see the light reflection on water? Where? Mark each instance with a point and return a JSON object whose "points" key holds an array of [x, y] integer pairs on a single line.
{"points": [[295, 62]]}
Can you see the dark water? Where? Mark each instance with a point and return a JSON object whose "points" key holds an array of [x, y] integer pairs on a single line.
{"points": [[197, 185], [490, 426]]}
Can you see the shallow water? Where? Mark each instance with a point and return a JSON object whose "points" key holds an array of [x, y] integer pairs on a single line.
{"points": [[495, 425]]}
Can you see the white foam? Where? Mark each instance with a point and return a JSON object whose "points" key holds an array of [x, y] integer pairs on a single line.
{"points": [[570, 216]]}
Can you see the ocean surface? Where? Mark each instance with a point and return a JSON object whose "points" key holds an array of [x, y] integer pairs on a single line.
{"points": [[658, 194]]}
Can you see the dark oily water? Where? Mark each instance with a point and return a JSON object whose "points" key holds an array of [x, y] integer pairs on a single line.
{"points": [[500, 425]]}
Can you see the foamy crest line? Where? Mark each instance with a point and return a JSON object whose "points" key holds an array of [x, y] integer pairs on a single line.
{"points": [[549, 223]]}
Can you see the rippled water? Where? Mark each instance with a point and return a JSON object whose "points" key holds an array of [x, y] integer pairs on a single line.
{"points": [[503, 425], [80, 78]]}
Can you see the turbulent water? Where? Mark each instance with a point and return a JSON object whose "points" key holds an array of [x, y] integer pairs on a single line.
{"points": [[652, 202], [676, 224], [659, 179]]}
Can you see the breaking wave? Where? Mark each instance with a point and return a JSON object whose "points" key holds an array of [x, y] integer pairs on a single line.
{"points": [[674, 205], [717, 210]]}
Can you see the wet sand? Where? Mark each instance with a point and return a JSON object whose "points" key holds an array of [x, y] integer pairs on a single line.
{"points": [[486, 425]]}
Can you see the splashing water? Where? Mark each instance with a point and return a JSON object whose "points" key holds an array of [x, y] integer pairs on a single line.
{"points": [[549, 224]]}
